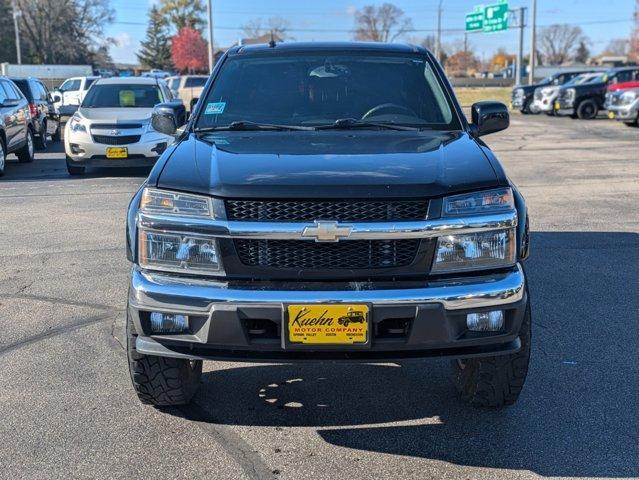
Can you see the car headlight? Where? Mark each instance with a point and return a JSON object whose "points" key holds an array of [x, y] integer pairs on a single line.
{"points": [[628, 97], [178, 252], [76, 124], [570, 94], [175, 203], [481, 250], [475, 251], [487, 201]]}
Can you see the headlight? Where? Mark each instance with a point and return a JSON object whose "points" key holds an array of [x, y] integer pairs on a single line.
{"points": [[569, 95], [488, 201], [628, 97], [176, 252], [76, 124], [174, 203], [475, 251]]}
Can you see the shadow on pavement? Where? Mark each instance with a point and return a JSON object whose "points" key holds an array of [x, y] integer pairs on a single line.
{"points": [[578, 415]]}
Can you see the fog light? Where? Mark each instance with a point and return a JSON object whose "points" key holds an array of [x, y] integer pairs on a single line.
{"points": [[485, 321], [77, 149], [168, 323]]}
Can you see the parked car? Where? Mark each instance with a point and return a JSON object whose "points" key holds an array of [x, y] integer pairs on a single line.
{"points": [[68, 96], [545, 96], [190, 88], [314, 179], [623, 105], [523, 95], [16, 133], [586, 100], [44, 120], [155, 73], [173, 83], [111, 128]]}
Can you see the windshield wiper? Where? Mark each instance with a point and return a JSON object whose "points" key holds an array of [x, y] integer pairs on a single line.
{"points": [[246, 125], [348, 123]]}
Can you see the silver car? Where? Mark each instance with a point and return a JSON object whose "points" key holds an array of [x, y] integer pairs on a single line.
{"points": [[112, 126], [623, 105]]}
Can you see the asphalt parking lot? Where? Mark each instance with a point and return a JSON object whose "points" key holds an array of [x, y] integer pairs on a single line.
{"points": [[68, 409]]}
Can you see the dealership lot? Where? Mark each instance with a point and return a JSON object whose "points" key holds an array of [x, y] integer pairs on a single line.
{"points": [[68, 409]]}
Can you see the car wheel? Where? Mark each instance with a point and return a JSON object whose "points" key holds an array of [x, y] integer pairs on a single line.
{"points": [[41, 140], [57, 135], [74, 170], [3, 158], [587, 110], [495, 381], [161, 381], [26, 153]]}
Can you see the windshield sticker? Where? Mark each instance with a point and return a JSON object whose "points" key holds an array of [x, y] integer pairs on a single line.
{"points": [[215, 108], [127, 98]]}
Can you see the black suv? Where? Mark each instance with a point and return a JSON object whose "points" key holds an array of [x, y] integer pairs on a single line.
{"points": [[314, 179], [586, 100], [523, 95], [44, 120], [16, 133]]}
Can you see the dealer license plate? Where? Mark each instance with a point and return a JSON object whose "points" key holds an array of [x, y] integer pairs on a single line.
{"points": [[611, 115], [117, 152], [338, 324]]}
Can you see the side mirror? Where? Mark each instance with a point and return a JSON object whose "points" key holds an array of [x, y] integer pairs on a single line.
{"points": [[10, 103], [56, 98], [168, 117], [489, 117]]}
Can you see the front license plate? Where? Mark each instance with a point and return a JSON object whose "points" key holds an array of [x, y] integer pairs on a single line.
{"points": [[557, 106], [328, 324], [117, 152], [611, 115]]}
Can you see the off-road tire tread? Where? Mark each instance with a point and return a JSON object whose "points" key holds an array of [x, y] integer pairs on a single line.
{"points": [[23, 153], [495, 382], [161, 381]]}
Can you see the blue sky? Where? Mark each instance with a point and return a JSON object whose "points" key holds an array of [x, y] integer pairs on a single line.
{"points": [[331, 20]]}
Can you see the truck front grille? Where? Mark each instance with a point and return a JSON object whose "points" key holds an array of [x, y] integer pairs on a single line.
{"points": [[308, 255], [119, 140], [336, 210]]}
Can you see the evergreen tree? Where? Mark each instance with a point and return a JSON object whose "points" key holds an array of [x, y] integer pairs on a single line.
{"points": [[8, 43], [583, 53], [155, 51]]}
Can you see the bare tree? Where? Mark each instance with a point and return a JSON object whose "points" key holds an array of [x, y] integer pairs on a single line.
{"points": [[617, 47], [430, 43], [381, 24], [258, 27], [558, 43]]}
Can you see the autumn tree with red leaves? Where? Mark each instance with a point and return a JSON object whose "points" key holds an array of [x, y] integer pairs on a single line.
{"points": [[189, 51]]}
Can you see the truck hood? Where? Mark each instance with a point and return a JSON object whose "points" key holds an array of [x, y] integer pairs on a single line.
{"points": [[115, 115], [328, 164]]}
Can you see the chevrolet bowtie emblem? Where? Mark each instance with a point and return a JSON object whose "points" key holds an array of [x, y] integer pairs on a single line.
{"points": [[327, 231], [115, 132]]}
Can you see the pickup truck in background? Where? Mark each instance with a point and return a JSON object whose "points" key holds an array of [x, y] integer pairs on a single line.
{"points": [[68, 96]]}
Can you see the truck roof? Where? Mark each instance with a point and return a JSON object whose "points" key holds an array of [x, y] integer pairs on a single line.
{"points": [[329, 46]]}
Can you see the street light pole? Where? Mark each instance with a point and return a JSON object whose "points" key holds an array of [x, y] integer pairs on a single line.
{"points": [[438, 44], [16, 14], [533, 42], [209, 12]]}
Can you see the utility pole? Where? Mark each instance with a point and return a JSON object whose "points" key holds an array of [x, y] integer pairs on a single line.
{"points": [[438, 44], [16, 14], [209, 13], [533, 42], [520, 50]]}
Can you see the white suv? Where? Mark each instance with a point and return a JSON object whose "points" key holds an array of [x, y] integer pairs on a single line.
{"points": [[112, 127]]}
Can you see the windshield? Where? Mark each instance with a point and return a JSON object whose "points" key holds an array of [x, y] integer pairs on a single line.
{"points": [[318, 89], [122, 96]]}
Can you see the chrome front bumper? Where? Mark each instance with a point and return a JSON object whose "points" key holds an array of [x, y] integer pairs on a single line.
{"points": [[625, 112], [438, 311]]}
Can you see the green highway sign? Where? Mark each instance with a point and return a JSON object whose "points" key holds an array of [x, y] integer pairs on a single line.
{"points": [[475, 21], [496, 18], [491, 18]]}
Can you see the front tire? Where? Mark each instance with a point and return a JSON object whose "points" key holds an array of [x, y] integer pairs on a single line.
{"points": [[27, 153], [3, 158], [495, 382], [587, 110], [161, 381]]}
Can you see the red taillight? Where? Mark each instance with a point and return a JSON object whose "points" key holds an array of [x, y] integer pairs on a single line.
{"points": [[33, 109]]}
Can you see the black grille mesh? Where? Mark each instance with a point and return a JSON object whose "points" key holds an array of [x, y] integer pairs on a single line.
{"points": [[340, 210], [309, 255], [109, 140]]}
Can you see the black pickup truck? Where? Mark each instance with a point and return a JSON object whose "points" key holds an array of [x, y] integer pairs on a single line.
{"points": [[318, 179], [586, 100]]}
